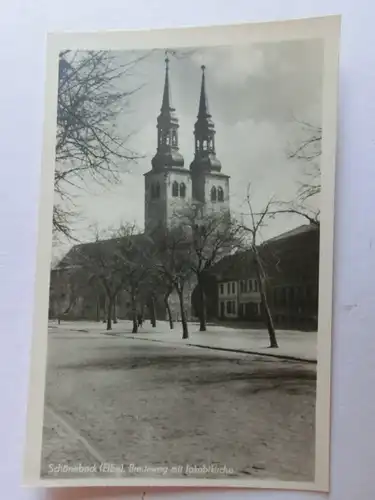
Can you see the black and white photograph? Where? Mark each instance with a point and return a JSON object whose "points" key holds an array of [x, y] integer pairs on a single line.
{"points": [[183, 311]]}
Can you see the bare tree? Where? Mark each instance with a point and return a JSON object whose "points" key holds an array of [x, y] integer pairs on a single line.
{"points": [[88, 143], [253, 228], [135, 254], [173, 263], [103, 261], [308, 154], [211, 237]]}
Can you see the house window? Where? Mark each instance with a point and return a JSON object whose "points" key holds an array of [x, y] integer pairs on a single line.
{"points": [[250, 285], [228, 288], [234, 309], [182, 190], [213, 193], [233, 287], [241, 286], [220, 194], [256, 288], [222, 309], [221, 289], [229, 307], [175, 189]]}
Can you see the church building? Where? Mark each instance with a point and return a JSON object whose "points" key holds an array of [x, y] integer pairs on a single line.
{"points": [[170, 188], [169, 185]]}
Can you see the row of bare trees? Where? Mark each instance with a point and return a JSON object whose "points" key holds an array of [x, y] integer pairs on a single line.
{"points": [[150, 266]]}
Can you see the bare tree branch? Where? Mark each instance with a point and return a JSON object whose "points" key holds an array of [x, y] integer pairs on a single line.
{"points": [[88, 142]]}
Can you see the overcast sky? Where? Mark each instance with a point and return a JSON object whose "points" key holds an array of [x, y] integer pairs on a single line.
{"points": [[255, 95]]}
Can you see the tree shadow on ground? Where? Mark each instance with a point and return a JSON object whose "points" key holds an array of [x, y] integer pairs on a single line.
{"points": [[250, 374]]}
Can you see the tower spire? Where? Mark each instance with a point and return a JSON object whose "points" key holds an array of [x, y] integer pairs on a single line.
{"points": [[167, 154], [203, 111], [166, 105], [204, 133]]}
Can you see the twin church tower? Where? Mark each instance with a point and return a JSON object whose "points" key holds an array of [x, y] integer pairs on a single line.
{"points": [[169, 186]]}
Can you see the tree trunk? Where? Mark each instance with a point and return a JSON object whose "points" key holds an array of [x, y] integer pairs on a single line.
{"points": [[168, 307], [264, 303], [105, 310], [98, 310], [115, 310], [109, 314], [202, 305], [134, 315], [58, 320], [152, 312], [185, 331]]}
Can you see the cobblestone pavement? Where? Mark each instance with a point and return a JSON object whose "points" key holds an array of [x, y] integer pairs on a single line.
{"points": [[153, 409]]}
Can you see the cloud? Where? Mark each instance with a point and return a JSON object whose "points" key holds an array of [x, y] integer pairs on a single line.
{"points": [[228, 65]]}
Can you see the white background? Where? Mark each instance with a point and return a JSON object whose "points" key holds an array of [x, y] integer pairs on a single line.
{"points": [[23, 26]]}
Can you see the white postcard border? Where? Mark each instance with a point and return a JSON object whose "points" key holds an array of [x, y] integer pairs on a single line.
{"points": [[326, 28]]}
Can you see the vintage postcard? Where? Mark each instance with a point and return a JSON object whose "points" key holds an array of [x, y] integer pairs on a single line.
{"points": [[183, 301]]}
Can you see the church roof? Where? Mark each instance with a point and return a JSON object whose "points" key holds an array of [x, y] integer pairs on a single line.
{"points": [[74, 256], [242, 264]]}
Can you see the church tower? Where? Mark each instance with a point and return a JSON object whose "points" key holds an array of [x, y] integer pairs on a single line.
{"points": [[168, 185], [210, 186]]}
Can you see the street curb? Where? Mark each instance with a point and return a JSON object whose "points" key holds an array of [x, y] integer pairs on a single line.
{"points": [[228, 349]]}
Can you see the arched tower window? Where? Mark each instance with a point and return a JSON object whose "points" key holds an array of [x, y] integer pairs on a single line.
{"points": [[213, 193], [157, 190], [220, 194], [182, 190], [175, 189]]}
